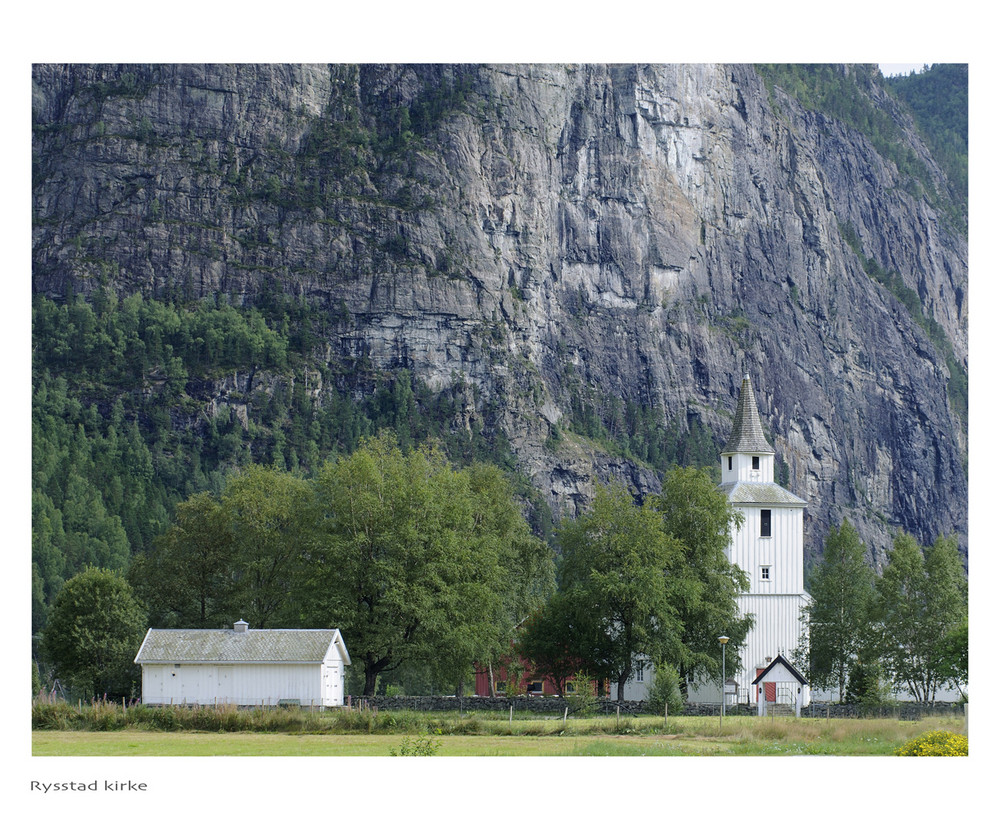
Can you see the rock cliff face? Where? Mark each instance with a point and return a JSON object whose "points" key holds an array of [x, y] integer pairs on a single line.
{"points": [[547, 235]]}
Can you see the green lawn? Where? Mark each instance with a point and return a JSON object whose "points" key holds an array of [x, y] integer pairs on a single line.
{"points": [[688, 736]]}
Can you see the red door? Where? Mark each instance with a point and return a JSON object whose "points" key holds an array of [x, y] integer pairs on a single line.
{"points": [[771, 692]]}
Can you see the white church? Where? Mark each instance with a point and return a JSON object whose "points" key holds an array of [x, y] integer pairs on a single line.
{"points": [[768, 546]]}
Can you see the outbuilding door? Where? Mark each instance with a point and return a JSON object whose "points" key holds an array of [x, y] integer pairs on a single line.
{"points": [[332, 694], [771, 692]]}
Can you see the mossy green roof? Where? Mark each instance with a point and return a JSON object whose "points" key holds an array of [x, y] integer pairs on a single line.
{"points": [[756, 492], [228, 646]]}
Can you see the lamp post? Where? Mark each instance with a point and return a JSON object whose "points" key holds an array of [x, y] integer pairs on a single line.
{"points": [[723, 639]]}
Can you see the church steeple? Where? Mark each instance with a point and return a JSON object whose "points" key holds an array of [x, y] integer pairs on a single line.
{"points": [[747, 435], [747, 456]]}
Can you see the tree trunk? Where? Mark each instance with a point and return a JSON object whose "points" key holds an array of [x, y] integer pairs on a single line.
{"points": [[371, 679]]}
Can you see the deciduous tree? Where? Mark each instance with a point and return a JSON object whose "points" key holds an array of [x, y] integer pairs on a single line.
{"points": [[418, 562], [187, 579], [920, 602], [839, 615], [93, 633], [705, 586], [620, 564]]}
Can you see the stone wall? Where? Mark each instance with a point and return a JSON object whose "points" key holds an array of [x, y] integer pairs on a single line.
{"points": [[557, 705]]}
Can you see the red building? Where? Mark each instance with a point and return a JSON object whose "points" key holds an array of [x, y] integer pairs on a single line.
{"points": [[523, 678]]}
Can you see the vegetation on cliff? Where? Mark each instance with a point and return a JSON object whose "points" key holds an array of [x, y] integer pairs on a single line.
{"points": [[937, 98]]}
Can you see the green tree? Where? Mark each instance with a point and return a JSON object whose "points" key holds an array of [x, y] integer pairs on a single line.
{"points": [[867, 684], [93, 633], [706, 584], [559, 637], [272, 519], [619, 564], [240, 556], [419, 562], [665, 692], [187, 580], [839, 616], [953, 663], [921, 601]]}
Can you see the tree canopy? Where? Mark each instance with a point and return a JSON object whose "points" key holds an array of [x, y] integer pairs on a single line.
{"points": [[842, 588], [93, 633], [921, 608], [650, 579], [619, 564], [238, 556], [708, 584], [418, 561]]}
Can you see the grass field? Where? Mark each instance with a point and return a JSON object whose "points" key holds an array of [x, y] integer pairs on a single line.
{"points": [[492, 736]]}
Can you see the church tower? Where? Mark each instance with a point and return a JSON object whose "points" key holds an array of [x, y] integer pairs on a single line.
{"points": [[767, 546]]}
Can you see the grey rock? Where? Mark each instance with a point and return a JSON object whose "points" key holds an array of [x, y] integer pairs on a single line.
{"points": [[650, 232]]}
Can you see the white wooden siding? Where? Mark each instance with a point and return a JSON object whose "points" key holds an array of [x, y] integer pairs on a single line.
{"points": [[743, 468], [779, 625], [243, 684], [782, 551]]}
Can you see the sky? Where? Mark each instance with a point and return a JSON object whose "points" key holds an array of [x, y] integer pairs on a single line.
{"points": [[889, 69]]}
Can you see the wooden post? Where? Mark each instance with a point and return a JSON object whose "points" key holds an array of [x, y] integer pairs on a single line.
{"points": [[510, 717], [665, 708], [565, 715]]}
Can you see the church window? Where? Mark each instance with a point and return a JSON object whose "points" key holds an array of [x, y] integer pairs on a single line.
{"points": [[756, 463], [730, 462], [765, 523], [640, 667], [765, 573]]}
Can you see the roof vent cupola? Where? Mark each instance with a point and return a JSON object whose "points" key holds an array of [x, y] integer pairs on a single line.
{"points": [[241, 626]]}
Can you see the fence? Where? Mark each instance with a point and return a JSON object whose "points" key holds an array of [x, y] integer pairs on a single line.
{"points": [[557, 705]]}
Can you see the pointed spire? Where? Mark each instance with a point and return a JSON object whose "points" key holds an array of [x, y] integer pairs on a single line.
{"points": [[747, 435]]}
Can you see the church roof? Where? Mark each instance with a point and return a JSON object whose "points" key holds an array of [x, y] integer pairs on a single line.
{"points": [[747, 435], [756, 492]]}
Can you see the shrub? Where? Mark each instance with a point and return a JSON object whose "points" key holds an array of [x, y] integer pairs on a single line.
{"points": [[421, 746], [666, 691], [935, 744], [582, 700]]}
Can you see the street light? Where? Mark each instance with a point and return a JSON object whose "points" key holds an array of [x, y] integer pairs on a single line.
{"points": [[723, 639]]}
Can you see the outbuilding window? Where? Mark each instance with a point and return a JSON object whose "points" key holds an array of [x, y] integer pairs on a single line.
{"points": [[765, 523]]}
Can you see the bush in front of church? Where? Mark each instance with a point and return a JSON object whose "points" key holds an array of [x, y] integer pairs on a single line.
{"points": [[935, 744], [666, 691]]}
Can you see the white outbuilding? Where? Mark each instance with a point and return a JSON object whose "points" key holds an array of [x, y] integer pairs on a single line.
{"points": [[243, 666]]}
